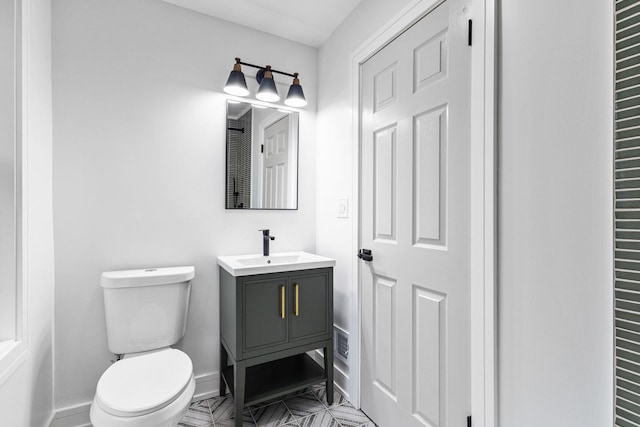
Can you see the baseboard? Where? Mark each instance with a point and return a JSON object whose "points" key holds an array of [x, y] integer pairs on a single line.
{"points": [[49, 421], [72, 416], [207, 386], [341, 382]]}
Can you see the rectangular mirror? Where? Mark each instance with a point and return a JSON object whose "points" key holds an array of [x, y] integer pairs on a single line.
{"points": [[262, 157]]}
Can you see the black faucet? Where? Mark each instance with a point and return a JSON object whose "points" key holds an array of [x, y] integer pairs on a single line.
{"points": [[265, 241]]}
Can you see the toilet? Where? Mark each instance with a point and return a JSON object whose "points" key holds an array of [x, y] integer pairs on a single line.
{"points": [[152, 384]]}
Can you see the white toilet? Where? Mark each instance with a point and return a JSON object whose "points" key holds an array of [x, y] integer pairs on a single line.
{"points": [[153, 384]]}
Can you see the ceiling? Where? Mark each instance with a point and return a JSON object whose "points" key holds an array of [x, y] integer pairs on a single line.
{"points": [[307, 22]]}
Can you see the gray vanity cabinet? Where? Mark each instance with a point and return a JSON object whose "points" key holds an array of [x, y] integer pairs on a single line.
{"points": [[268, 323]]}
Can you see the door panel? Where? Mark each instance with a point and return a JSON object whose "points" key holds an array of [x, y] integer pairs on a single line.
{"points": [[415, 200], [385, 184], [429, 354], [429, 195], [263, 322], [430, 61], [385, 333], [311, 318]]}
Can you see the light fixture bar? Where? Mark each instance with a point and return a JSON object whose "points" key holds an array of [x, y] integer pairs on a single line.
{"points": [[262, 68]]}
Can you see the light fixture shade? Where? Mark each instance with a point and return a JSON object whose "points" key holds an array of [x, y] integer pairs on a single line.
{"points": [[295, 97], [236, 84], [267, 91]]}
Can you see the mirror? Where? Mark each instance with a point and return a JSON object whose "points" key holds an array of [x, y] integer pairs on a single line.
{"points": [[262, 157]]}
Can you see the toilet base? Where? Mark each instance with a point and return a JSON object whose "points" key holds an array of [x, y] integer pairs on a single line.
{"points": [[168, 416]]}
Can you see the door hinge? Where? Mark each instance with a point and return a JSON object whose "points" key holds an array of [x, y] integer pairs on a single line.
{"points": [[262, 148], [469, 417], [470, 36]]}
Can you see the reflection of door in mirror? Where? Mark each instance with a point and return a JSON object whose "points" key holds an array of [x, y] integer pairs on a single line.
{"points": [[275, 165]]}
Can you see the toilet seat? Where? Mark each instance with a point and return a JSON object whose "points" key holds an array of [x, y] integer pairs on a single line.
{"points": [[143, 384]]}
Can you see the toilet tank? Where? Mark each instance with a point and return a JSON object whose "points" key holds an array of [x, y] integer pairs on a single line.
{"points": [[146, 309]]}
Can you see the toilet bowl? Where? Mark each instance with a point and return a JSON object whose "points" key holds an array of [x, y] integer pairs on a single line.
{"points": [[153, 384], [149, 390]]}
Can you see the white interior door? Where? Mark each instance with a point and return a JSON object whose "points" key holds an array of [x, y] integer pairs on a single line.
{"points": [[415, 202], [275, 165]]}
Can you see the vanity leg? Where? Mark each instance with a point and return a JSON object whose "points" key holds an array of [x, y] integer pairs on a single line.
{"points": [[239, 382], [328, 368], [224, 361]]}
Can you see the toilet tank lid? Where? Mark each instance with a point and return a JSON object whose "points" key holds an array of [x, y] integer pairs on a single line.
{"points": [[146, 277]]}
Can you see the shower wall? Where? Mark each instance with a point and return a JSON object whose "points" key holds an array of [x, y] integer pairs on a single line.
{"points": [[239, 162]]}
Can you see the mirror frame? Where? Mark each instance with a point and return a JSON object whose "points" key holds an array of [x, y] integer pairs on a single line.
{"points": [[292, 192]]}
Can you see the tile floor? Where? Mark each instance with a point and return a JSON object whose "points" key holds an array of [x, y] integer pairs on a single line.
{"points": [[306, 408]]}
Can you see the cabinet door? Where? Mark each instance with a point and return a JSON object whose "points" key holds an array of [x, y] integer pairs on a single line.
{"points": [[311, 317], [263, 322]]}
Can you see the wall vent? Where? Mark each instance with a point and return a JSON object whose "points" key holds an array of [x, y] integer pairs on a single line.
{"points": [[341, 343]]}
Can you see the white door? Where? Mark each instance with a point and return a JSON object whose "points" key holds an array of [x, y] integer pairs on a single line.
{"points": [[276, 156], [415, 201]]}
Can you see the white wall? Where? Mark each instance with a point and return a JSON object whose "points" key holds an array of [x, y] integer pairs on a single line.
{"points": [[139, 163], [335, 139], [7, 169], [555, 213], [555, 219], [26, 397]]}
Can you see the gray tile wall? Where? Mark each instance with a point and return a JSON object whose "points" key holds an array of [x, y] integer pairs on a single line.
{"points": [[239, 162]]}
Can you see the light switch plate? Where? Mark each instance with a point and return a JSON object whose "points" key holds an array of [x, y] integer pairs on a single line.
{"points": [[343, 208]]}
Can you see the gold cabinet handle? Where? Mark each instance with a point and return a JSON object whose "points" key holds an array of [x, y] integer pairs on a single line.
{"points": [[282, 301], [297, 311]]}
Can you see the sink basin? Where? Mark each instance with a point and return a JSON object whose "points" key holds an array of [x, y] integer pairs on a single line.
{"points": [[266, 260], [245, 265]]}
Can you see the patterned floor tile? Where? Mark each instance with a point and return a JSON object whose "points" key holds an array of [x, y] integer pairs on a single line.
{"points": [[273, 415], [298, 393], [232, 423], [266, 403], [318, 388], [319, 419], [305, 408], [183, 423], [223, 408], [197, 415], [338, 399], [304, 405], [348, 416]]}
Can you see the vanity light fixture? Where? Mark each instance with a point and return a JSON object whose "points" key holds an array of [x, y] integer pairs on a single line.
{"points": [[237, 85], [267, 91], [295, 97]]}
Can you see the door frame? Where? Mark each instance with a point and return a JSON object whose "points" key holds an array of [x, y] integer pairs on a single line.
{"points": [[483, 280]]}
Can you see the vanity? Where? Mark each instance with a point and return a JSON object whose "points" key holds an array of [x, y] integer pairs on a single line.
{"points": [[273, 310]]}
